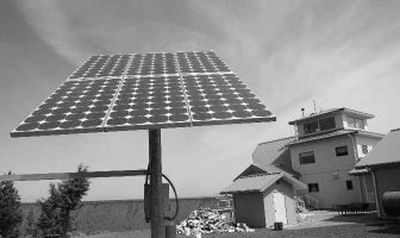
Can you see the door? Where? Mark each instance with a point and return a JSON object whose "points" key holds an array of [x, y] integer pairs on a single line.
{"points": [[280, 207], [369, 189]]}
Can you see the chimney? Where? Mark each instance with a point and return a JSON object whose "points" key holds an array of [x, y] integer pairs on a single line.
{"points": [[302, 112]]}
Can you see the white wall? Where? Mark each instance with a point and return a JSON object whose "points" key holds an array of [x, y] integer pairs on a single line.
{"points": [[329, 171], [365, 140]]}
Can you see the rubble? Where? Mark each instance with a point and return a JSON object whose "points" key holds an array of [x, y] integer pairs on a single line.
{"points": [[206, 220]]}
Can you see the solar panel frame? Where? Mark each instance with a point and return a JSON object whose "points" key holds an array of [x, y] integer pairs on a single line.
{"points": [[227, 95]]}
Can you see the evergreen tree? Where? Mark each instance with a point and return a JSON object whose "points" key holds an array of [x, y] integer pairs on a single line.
{"points": [[64, 198], [10, 210], [30, 224]]}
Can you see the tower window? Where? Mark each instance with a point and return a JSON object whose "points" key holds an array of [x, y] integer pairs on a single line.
{"points": [[310, 127], [327, 123]]}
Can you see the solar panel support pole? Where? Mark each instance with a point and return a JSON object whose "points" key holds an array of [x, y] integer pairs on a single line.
{"points": [[157, 211]]}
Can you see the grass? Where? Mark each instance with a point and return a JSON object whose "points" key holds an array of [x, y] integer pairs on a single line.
{"points": [[327, 224], [378, 230]]}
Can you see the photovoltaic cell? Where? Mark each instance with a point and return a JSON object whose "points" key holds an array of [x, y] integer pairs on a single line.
{"points": [[145, 91], [149, 101], [200, 62], [220, 98], [152, 64], [79, 106]]}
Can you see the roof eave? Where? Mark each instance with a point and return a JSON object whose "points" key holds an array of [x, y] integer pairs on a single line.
{"points": [[378, 165]]}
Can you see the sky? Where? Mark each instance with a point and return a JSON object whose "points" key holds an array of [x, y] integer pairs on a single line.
{"points": [[290, 53]]}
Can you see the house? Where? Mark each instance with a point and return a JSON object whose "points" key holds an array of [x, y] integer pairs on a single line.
{"points": [[327, 145], [383, 165], [264, 195]]}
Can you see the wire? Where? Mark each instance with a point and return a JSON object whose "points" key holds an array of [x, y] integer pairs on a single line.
{"points": [[176, 198], [173, 189]]}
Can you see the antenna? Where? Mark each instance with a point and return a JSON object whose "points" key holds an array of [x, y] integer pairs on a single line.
{"points": [[315, 106]]}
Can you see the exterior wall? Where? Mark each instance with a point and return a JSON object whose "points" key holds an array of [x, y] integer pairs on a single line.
{"points": [[387, 179], [287, 190], [365, 140], [249, 208], [118, 215], [329, 171]]}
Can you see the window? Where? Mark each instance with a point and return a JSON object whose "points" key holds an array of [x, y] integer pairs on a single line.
{"points": [[355, 122], [349, 185], [310, 127], [341, 151], [364, 149], [319, 125], [327, 123], [313, 188], [351, 122], [359, 123], [307, 157]]}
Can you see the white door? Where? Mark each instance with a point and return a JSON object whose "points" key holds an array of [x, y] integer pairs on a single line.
{"points": [[280, 208]]}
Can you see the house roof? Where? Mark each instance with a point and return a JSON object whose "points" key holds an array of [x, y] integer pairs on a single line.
{"points": [[340, 132], [333, 110], [387, 151], [360, 171], [269, 151], [276, 153], [321, 136], [253, 180], [257, 183]]}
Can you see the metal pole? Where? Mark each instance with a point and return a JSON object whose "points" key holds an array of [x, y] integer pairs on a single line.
{"points": [[157, 211]]}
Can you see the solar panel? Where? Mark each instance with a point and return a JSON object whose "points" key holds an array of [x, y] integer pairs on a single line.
{"points": [[200, 62], [215, 99], [149, 101], [146, 91]]}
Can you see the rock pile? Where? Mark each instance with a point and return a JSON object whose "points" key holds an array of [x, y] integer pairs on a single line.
{"points": [[206, 220]]}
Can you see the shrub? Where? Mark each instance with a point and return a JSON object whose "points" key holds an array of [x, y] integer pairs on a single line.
{"points": [[31, 224], [10, 209], [55, 218]]}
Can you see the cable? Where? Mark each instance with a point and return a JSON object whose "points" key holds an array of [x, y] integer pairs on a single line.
{"points": [[176, 198], [173, 189]]}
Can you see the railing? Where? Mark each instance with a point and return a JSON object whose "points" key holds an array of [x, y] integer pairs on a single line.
{"points": [[311, 202], [300, 204]]}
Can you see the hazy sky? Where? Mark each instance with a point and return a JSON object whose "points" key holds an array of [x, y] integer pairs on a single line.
{"points": [[338, 53]]}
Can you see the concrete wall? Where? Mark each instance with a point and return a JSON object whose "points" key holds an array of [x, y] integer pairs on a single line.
{"points": [[387, 179], [287, 190], [329, 171], [249, 208], [119, 215]]}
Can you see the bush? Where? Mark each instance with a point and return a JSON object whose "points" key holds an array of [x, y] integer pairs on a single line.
{"points": [[10, 209], [55, 218], [31, 224]]}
